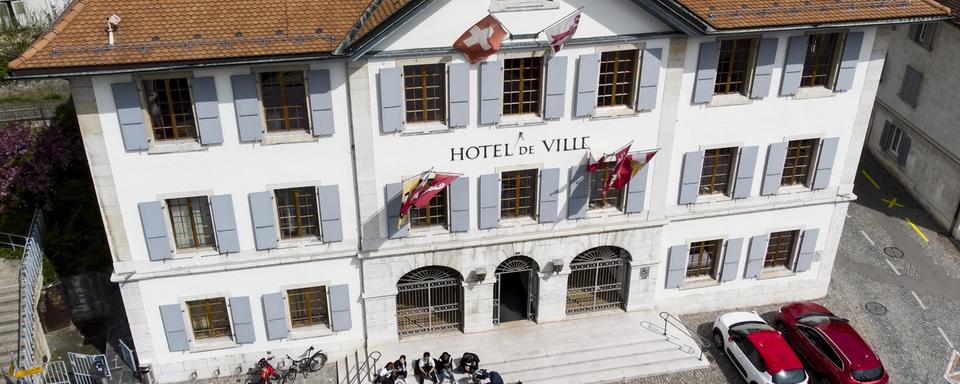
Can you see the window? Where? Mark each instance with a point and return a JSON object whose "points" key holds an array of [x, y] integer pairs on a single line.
{"points": [[617, 76], [780, 249], [521, 85], [434, 214], [170, 107], [308, 306], [734, 66], [518, 191], [423, 90], [192, 227], [923, 34], [796, 167], [613, 198], [751, 353], [895, 140], [703, 258], [822, 60], [717, 168], [208, 318], [822, 345], [297, 210], [284, 96]]}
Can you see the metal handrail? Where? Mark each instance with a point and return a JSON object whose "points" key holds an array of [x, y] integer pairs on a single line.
{"points": [[703, 342]]}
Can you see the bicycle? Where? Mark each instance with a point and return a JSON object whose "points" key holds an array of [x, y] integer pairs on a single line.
{"points": [[303, 365]]}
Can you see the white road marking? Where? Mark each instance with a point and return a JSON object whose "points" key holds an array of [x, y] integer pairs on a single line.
{"points": [[868, 238], [918, 300], [891, 266], [944, 334]]}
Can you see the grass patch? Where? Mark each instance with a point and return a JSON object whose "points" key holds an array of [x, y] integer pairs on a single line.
{"points": [[28, 98]]}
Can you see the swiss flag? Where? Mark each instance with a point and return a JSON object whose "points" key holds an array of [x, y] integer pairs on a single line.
{"points": [[481, 40]]}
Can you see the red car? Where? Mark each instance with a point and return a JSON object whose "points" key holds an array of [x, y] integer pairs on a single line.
{"points": [[831, 347]]}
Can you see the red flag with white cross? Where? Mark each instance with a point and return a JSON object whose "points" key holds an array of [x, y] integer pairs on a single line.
{"points": [[481, 40]]}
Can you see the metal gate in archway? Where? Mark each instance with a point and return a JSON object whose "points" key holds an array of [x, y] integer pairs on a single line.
{"points": [[517, 268], [598, 280], [429, 299]]}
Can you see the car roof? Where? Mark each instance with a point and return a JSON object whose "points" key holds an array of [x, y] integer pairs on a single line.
{"points": [[849, 342], [775, 351]]}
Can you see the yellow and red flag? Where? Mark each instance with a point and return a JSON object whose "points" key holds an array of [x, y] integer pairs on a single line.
{"points": [[420, 189]]}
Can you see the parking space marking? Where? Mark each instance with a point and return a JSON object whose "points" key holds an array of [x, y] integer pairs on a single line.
{"points": [[917, 230], [892, 267], [868, 238], [945, 338], [892, 203], [918, 300], [872, 181]]}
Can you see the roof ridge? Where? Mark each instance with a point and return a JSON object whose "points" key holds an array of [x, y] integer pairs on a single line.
{"points": [[58, 25], [362, 18]]}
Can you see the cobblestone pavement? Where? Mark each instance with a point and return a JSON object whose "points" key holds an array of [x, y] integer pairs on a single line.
{"points": [[920, 290]]}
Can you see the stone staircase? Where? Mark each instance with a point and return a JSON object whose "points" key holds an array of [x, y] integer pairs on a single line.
{"points": [[9, 311]]}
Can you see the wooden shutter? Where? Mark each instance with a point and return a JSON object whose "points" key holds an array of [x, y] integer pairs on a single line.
{"points": [[459, 199], [275, 315], [340, 319], [910, 87], [321, 102], [225, 224], [731, 259], [129, 114], [459, 78], [766, 56], [848, 61], [392, 194], [208, 110], [242, 319], [155, 230], [489, 201], [903, 149], [391, 100], [556, 87], [886, 135], [173, 328], [549, 194], [776, 155], [690, 177], [649, 79], [247, 105], [755, 256], [637, 191], [676, 266], [491, 89], [579, 187], [828, 155], [264, 220], [330, 224], [793, 65], [706, 71], [588, 75], [808, 248], [746, 166]]}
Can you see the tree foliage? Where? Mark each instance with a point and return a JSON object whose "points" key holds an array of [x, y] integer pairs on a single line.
{"points": [[14, 40], [32, 156]]}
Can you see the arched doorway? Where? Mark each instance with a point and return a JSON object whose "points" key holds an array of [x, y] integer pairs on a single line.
{"points": [[516, 290], [429, 299], [598, 280]]}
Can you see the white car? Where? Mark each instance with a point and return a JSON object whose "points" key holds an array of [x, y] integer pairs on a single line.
{"points": [[758, 351]]}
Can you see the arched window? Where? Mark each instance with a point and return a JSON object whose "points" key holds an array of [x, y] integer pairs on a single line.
{"points": [[429, 299], [598, 280]]}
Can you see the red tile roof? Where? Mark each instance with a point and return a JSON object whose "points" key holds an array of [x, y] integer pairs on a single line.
{"points": [[737, 14]]}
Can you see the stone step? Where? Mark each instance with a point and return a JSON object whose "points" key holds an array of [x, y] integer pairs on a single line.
{"points": [[9, 295], [10, 316], [612, 369], [583, 353], [9, 338], [8, 327]]}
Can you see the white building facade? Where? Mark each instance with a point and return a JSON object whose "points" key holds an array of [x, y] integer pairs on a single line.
{"points": [[253, 207]]}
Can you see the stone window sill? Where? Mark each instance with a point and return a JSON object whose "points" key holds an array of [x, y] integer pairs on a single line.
{"points": [[424, 128], [522, 5], [212, 344], [603, 113], [728, 100], [432, 230], [813, 93], [319, 330], [299, 242], [699, 282], [603, 212], [524, 120], [174, 146], [774, 272], [195, 252], [273, 138], [516, 222], [713, 198], [791, 189]]}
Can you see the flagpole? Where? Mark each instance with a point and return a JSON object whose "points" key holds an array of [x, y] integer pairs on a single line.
{"points": [[558, 21]]}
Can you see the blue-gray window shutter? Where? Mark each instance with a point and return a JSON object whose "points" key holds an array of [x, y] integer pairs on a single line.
{"points": [[579, 192], [174, 328], [242, 320], [556, 86], [903, 150], [676, 266], [848, 61], [690, 178], [208, 110], [460, 204], [588, 75], [793, 65], [491, 87], [910, 87], [706, 71], [275, 315], [132, 128], [776, 155], [340, 308], [321, 102], [391, 100], [225, 224], [549, 194], [886, 135], [808, 247], [755, 255], [637, 191], [392, 193], [828, 154], [745, 168], [155, 230], [766, 56], [489, 200], [649, 79], [330, 225], [247, 104], [731, 259], [459, 94], [264, 220]]}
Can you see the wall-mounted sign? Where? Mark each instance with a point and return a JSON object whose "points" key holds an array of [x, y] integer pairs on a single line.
{"points": [[520, 148]]}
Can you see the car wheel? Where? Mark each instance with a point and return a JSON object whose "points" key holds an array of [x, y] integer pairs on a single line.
{"points": [[781, 327], [717, 339]]}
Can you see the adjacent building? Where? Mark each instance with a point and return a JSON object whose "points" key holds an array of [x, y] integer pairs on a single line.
{"points": [[248, 164], [27, 12], [913, 130]]}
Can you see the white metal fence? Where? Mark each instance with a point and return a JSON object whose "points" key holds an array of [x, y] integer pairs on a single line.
{"points": [[32, 342]]}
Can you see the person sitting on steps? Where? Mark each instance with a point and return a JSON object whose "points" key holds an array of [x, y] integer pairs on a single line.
{"points": [[400, 367], [425, 369]]}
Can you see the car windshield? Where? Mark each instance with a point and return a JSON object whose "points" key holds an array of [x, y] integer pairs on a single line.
{"points": [[790, 376], [817, 318], [749, 327], [867, 374]]}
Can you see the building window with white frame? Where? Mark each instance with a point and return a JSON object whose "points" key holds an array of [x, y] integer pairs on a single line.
{"points": [[308, 307], [598, 179], [798, 163], [521, 85], [424, 91], [822, 60], [191, 222], [169, 105], [735, 66], [208, 318], [284, 98], [298, 212], [617, 84], [703, 259], [433, 215], [781, 249], [518, 194], [717, 171]]}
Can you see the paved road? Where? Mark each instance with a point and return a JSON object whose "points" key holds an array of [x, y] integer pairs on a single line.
{"points": [[920, 290]]}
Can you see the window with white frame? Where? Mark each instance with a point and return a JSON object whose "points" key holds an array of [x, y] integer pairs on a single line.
{"points": [[191, 222], [284, 98], [308, 307], [208, 318], [703, 260], [895, 140], [424, 92], [169, 105], [298, 212], [782, 249]]}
